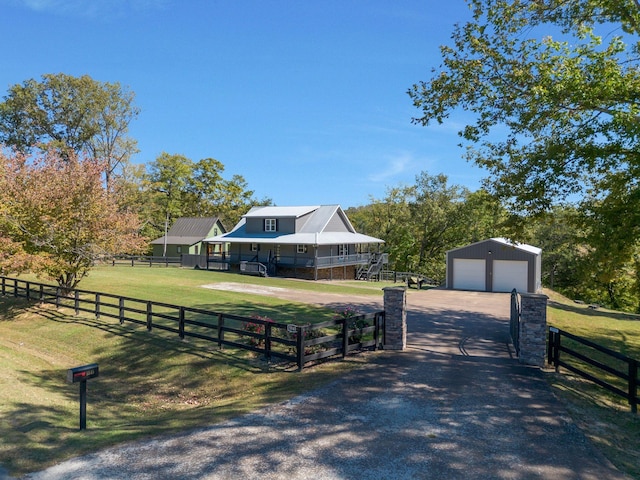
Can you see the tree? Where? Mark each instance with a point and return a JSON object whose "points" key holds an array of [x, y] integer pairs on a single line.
{"points": [[72, 114], [169, 179], [553, 117], [420, 222], [57, 216]]}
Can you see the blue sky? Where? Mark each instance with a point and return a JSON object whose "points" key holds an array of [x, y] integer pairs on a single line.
{"points": [[305, 99]]}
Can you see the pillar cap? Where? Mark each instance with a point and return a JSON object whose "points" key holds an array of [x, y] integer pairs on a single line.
{"points": [[398, 288], [533, 295]]}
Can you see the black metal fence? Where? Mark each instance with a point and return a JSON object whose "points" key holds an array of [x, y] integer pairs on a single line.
{"points": [[295, 343], [514, 321], [609, 369]]}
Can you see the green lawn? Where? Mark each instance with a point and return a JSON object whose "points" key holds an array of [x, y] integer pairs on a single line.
{"points": [[149, 383], [604, 417], [153, 383]]}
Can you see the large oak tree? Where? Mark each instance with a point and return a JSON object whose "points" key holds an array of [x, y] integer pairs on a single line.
{"points": [[553, 88], [72, 114]]}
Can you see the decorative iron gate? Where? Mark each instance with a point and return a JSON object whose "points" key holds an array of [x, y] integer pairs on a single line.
{"points": [[515, 320]]}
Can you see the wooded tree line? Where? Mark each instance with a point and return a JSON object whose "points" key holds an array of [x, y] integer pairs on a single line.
{"points": [[551, 87], [582, 255]]}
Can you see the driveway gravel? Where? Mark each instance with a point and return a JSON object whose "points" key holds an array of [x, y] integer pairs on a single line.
{"points": [[454, 405]]}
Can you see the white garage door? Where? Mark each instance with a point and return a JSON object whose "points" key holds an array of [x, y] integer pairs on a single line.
{"points": [[510, 274], [469, 274]]}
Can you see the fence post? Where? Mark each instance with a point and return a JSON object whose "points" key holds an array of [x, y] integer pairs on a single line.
{"points": [[345, 337], [181, 323], [76, 302], [4, 287], [550, 343], [220, 330], [28, 291], [149, 315], [556, 351], [300, 331], [97, 309], [15, 288], [41, 293], [267, 341], [121, 310], [633, 384], [57, 297]]}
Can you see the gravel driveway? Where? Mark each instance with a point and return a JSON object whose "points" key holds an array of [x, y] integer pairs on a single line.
{"points": [[454, 405]]}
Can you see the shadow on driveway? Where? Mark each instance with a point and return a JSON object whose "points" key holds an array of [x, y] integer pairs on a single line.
{"points": [[454, 405]]}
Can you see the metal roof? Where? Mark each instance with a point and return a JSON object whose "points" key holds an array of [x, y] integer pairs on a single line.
{"points": [[507, 242], [311, 233], [280, 212], [188, 231]]}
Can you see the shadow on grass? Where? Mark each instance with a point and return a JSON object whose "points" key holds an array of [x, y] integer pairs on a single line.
{"points": [[151, 382], [594, 312]]}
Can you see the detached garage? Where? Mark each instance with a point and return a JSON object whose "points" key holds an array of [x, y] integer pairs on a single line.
{"points": [[495, 265]]}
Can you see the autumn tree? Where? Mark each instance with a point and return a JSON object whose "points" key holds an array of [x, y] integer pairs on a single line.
{"points": [[57, 216], [71, 114]]}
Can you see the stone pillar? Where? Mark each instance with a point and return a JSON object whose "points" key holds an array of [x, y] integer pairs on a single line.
{"points": [[533, 328], [395, 326]]}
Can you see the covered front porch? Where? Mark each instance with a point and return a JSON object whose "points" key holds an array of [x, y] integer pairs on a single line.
{"points": [[345, 262]]}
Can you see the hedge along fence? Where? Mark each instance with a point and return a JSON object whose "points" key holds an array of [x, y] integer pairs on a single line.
{"points": [[301, 344]]}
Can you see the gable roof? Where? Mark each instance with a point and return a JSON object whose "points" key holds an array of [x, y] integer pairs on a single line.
{"points": [[188, 231], [505, 242], [312, 232]]}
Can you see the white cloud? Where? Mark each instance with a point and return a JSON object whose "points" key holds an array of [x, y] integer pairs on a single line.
{"points": [[395, 166]]}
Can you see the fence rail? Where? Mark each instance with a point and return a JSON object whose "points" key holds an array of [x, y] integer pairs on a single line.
{"points": [[295, 343], [134, 260], [604, 364]]}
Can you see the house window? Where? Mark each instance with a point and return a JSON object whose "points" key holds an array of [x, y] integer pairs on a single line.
{"points": [[254, 247], [270, 225], [302, 249], [343, 250], [179, 249]]}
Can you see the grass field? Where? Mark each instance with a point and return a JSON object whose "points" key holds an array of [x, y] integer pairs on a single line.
{"points": [[149, 383], [153, 383], [604, 417]]}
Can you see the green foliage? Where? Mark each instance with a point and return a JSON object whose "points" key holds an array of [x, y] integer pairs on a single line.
{"points": [[70, 114], [419, 223], [174, 186]]}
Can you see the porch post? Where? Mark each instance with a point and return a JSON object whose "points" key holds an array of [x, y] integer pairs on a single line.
{"points": [[395, 323]]}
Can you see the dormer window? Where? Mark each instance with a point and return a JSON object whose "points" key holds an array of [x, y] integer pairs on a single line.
{"points": [[270, 225]]}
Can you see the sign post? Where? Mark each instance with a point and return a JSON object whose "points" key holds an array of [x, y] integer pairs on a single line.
{"points": [[81, 375]]}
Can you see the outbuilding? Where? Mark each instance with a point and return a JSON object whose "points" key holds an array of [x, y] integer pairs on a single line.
{"points": [[495, 265]]}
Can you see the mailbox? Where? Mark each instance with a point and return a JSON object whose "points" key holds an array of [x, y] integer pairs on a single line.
{"points": [[80, 374]]}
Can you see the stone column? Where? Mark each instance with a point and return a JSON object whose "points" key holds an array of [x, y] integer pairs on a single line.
{"points": [[533, 328], [395, 308]]}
